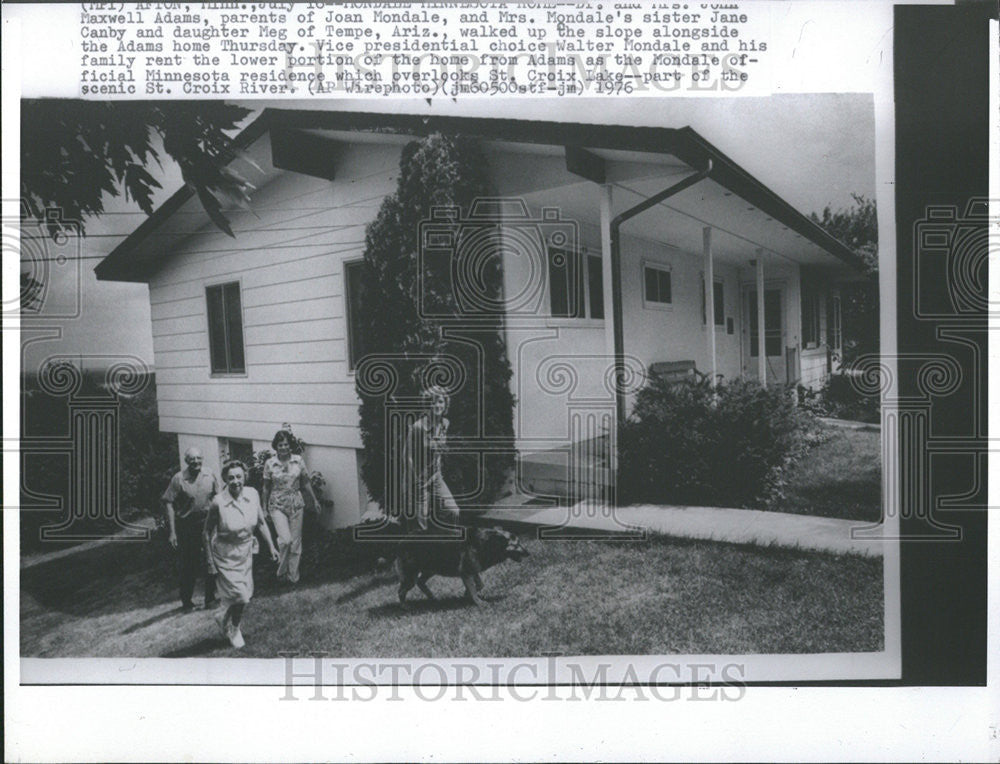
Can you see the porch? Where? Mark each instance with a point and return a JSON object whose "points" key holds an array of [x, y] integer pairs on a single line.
{"points": [[640, 259]]}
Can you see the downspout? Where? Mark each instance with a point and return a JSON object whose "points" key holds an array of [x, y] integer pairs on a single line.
{"points": [[616, 276]]}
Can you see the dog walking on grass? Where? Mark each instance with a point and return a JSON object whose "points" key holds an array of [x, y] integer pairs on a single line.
{"points": [[417, 561]]}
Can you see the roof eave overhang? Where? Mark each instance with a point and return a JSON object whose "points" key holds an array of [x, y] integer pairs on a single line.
{"points": [[120, 264], [683, 143]]}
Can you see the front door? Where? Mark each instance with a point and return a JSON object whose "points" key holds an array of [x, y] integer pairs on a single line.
{"points": [[774, 333]]}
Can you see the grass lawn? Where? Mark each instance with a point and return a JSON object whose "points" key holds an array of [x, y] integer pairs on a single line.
{"points": [[841, 477], [570, 596]]}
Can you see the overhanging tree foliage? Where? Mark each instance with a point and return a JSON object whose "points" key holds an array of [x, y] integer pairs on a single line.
{"points": [[409, 318], [857, 227], [73, 152]]}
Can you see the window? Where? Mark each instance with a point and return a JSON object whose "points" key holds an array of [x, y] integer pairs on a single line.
{"points": [[225, 328], [238, 449], [718, 302], [810, 318], [834, 336], [656, 285], [352, 283], [576, 285]]}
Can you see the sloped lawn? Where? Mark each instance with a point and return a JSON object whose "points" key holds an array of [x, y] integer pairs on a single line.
{"points": [[569, 596], [840, 477]]}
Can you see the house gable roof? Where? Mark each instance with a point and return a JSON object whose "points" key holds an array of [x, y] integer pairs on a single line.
{"points": [[125, 263]]}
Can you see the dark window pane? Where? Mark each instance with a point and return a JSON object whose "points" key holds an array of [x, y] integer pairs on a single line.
{"points": [[242, 450], [234, 327], [566, 284], [559, 282], [657, 285], [810, 321], [719, 304], [652, 289], [355, 347], [772, 309], [216, 329], [577, 306], [596, 282], [664, 277]]}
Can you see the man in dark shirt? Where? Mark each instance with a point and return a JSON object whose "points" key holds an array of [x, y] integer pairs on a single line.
{"points": [[187, 500]]}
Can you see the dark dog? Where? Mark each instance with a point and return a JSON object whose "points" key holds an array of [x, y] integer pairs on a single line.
{"points": [[417, 561]]}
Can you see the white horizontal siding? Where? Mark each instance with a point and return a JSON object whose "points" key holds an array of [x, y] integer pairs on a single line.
{"points": [[293, 332], [288, 260], [295, 352], [308, 372], [291, 292], [298, 310], [221, 390], [271, 268], [172, 343], [316, 413], [191, 322]]}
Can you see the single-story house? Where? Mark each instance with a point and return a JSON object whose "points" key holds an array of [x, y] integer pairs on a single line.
{"points": [[642, 244]]}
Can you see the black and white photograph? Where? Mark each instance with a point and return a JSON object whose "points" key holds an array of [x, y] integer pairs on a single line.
{"points": [[328, 396], [412, 328]]}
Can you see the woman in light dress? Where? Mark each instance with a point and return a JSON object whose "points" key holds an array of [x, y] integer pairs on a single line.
{"points": [[287, 491], [232, 518], [433, 507]]}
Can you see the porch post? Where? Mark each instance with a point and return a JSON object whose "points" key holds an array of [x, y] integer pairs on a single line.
{"points": [[706, 234], [607, 281], [761, 346]]}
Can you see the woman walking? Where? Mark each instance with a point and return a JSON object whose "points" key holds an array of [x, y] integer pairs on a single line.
{"points": [[432, 506], [287, 491], [232, 518]]}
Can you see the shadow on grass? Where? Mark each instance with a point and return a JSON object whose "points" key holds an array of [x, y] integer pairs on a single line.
{"points": [[196, 649], [112, 578], [125, 575], [377, 582], [153, 620], [422, 605]]}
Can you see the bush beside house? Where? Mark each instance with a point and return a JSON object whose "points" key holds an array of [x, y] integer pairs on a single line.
{"points": [[408, 304], [728, 446]]}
